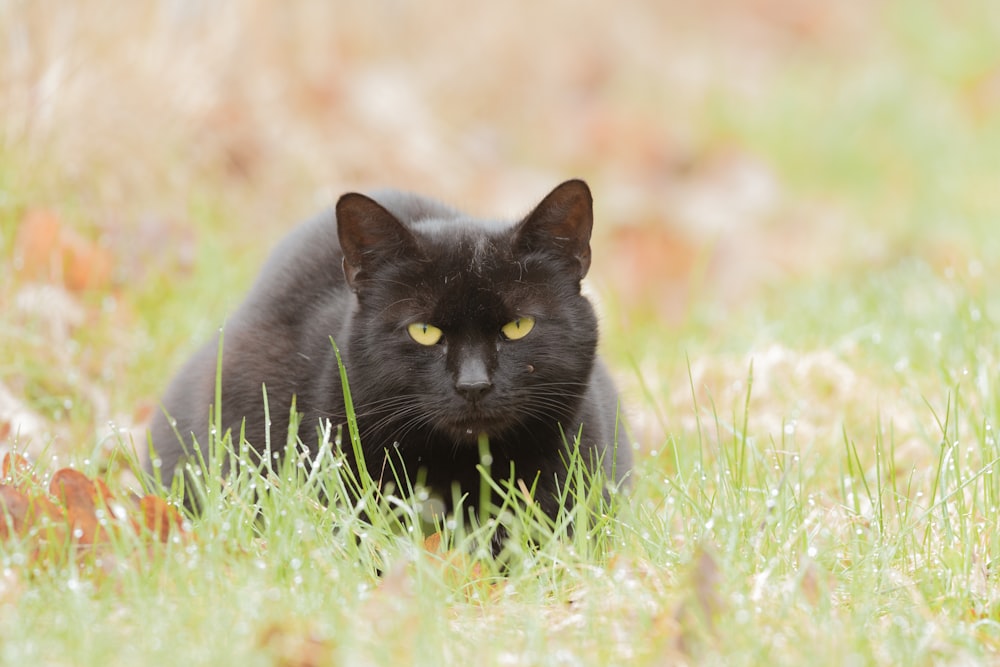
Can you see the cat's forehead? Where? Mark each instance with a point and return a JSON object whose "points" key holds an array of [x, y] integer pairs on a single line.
{"points": [[464, 271], [444, 229], [469, 245]]}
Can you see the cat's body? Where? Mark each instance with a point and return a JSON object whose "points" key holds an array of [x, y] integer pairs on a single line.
{"points": [[449, 327]]}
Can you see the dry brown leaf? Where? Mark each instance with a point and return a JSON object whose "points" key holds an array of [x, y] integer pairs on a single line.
{"points": [[290, 646], [15, 464], [15, 507], [80, 500], [458, 568], [79, 496], [50, 251], [160, 518], [20, 510], [433, 543], [37, 243]]}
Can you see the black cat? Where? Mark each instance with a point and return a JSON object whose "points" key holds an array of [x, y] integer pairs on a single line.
{"points": [[449, 328]]}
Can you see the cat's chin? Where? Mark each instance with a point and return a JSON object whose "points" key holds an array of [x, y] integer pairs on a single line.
{"points": [[469, 430]]}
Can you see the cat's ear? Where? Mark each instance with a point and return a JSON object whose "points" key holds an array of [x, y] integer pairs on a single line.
{"points": [[369, 235], [562, 222]]}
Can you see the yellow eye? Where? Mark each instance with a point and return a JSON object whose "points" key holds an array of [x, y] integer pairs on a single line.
{"points": [[518, 329], [425, 334]]}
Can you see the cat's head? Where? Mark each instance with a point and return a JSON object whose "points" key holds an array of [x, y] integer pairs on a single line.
{"points": [[466, 327]]}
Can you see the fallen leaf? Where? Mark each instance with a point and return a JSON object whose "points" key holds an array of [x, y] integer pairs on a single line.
{"points": [[20, 510], [15, 507], [459, 569], [48, 250], [160, 518], [15, 464], [291, 646], [37, 244], [79, 496]]}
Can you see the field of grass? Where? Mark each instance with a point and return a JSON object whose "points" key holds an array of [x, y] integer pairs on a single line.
{"points": [[794, 257]]}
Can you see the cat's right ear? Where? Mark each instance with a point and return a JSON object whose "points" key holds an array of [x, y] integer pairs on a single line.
{"points": [[369, 236]]}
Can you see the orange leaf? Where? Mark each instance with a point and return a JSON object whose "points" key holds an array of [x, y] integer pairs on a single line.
{"points": [[79, 496], [37, 244], [50, 251], [457, 567], [291, 645], [433, 543], [15, 507], [86, 265], [159, 517], [19, 510], [14, 463]]}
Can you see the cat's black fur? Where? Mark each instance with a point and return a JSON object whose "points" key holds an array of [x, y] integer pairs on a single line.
{"points": [[364, 272]]}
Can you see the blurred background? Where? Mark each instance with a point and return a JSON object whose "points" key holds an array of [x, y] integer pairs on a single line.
{"points": [[788, 181]]}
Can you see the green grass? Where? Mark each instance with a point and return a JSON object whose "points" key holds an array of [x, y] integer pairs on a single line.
{"points": [[816, 478], [727, 549]]}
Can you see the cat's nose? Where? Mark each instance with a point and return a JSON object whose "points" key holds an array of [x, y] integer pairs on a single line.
{"points": [[473, 391], [473, 379]]}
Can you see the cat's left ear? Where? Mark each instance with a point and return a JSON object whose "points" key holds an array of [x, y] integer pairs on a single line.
{"points": [[369, 236], [561, 222]]}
